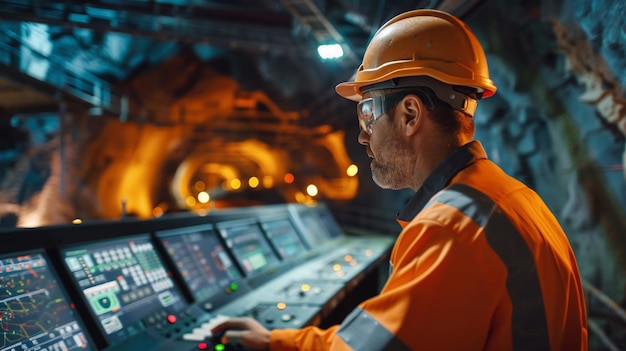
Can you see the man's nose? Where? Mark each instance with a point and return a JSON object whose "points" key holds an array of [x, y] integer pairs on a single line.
{"points": [[364, 138]]}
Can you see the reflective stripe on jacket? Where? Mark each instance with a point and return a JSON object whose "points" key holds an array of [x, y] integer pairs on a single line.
{"points": [[481, 264]]}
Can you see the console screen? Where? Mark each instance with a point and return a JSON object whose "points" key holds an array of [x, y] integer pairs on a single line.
{"points": [[124, 283], [34, 311], [247, 243], [310, 225], [284, 237], [201, 260], [329, 222]]}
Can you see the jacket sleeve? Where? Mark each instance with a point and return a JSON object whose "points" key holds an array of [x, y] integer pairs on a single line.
{"points": [[309, 338], [444, 290], [440, 296]]}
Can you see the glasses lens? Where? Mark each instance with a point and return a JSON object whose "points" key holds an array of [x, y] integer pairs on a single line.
{"points": [[365, 111]]}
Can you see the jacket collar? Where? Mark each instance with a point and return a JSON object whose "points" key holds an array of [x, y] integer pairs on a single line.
{"points": [[440, 177]]}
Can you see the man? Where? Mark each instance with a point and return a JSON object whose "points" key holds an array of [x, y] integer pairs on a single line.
{"points": [[481, 263]]}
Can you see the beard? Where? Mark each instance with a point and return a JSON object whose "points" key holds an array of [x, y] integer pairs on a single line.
{"points": [[391, 167]]}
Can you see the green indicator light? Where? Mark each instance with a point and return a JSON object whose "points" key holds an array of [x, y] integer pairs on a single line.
{"points": [[220, 347], [234, 286]]}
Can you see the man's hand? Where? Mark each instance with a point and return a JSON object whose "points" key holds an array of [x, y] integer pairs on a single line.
{"points": [[245, 331]]}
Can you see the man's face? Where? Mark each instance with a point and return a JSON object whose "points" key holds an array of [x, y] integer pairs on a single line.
{"points": [[389, 151]]}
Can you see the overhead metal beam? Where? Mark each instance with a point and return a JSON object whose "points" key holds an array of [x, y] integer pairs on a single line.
{"points": [[80, 89], [256, 30]]}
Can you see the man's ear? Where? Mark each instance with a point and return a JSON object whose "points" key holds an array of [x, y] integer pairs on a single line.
{"points": [[412, 108]]}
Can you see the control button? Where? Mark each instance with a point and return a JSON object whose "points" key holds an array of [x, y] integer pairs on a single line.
{"points": [[281, 305], [269, 320], [171, 319], [194, 336], [208, 306], [286, 317], [231, 288], [203, 346], [220, 347]]}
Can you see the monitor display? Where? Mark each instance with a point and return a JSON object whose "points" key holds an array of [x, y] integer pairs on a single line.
{"points": [[201, 260], [329, 222], [310, 225], [249, 246], [284, 237], [124, 283], [35, 313]]}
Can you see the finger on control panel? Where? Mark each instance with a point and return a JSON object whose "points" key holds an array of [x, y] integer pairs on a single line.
{"points": [[245, 331]]}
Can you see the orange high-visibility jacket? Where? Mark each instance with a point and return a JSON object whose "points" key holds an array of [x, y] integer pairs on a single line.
{"points": [[481, 264]]}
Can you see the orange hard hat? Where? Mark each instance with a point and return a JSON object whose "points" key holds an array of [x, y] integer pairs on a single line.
{"points": [[426, 44]]}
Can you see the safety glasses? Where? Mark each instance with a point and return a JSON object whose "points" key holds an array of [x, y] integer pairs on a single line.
{"points": [[370, 109]]}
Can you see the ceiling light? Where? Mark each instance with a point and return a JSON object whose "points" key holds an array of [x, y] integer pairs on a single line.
{"points": [[330, 51]]}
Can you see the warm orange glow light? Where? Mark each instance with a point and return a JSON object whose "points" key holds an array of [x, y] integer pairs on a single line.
{"points": [[281, 305], [190, 201], [300, 197], [157, 211], [77, 221], [352, 170], [203, 197], [268, 182], [311, 189], [235, 184], [289, 178], [199, 185], [253, 182]]}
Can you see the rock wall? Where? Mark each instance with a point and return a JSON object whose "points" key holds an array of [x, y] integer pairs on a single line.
{"points": [[558, 123]]}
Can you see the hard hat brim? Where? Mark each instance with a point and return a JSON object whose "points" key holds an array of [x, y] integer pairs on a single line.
{"points": [[349, 90]]}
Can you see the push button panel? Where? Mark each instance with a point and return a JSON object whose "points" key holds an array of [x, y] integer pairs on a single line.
{"points": [[308, 292], [164, 325], [283, 315]]}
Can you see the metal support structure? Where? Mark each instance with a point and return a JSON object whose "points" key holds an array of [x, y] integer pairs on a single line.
{"points": [[83, 86], [62, 147], [230, 27], [594, 293], [310, 16]]}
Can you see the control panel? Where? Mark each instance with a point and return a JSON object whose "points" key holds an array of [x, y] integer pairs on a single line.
{"points": [[251, 250], [200, 258], [162, 285], [125, 285]]}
